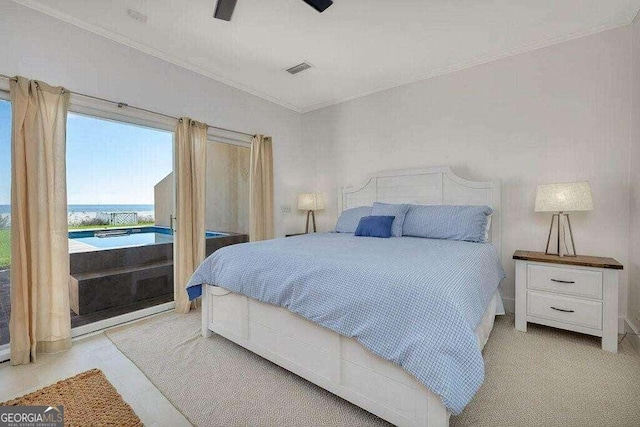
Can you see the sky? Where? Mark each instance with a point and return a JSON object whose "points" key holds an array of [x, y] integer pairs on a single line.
{"points": [[107, 162], [5, 152]]}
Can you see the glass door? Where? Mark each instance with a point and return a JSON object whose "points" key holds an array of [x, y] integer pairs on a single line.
{"points": [[5, 218], [227, 194], [120, 205]]}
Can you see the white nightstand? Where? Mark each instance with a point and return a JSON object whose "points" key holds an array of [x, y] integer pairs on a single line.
{"points": [[575, 293]]}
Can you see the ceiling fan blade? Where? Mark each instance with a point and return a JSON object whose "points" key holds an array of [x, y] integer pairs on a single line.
{"points": [[319, 5], [224, 9]]}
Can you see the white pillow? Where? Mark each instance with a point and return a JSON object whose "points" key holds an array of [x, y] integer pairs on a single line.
{"points": [[487, 230], [349, 219]]}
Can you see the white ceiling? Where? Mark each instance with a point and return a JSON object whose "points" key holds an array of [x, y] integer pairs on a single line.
{"points": [[357, 47]]}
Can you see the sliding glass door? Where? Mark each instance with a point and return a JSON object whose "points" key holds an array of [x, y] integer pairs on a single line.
{"points": [[5, 218], [227, 192], [121, 215], [120, 204]]}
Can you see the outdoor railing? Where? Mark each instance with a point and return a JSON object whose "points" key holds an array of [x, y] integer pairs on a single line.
{"points": [[118, 218]]}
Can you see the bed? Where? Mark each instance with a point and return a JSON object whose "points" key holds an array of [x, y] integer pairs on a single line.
{"points": [[292, 301]]}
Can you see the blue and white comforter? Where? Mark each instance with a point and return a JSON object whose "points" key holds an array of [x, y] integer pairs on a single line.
{"points": [[413, 301]]}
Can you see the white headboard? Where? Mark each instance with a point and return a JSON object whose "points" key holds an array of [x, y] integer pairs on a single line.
{"points": [[430, 186]]}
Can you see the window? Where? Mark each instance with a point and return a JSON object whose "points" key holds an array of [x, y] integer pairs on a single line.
{"points": [[5, 218]]}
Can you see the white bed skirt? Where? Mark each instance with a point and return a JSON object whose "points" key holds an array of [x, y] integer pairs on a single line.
{"points": [[338, 364]]}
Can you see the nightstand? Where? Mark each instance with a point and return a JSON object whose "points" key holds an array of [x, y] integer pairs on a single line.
{"points": [[575, 293]]}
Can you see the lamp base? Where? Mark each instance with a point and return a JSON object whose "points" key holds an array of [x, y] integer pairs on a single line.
{"points": [[313, 217], [561, 230]]}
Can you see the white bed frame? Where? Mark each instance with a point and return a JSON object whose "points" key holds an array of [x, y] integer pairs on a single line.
{"points": [[338, 364]]}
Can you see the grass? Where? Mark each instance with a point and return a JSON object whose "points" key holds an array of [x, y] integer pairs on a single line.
{"points": [[5, 239], [5, 248]]}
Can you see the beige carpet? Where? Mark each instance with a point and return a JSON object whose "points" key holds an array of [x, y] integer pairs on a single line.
{"points": [[545, 377]]}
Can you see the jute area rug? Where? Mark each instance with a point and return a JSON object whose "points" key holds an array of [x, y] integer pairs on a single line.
{"points": [[87, 398]]}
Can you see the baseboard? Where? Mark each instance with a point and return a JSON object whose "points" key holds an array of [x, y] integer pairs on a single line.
{"points": [[633, 334]]}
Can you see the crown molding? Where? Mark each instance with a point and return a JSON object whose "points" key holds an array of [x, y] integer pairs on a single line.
{"points": [[118, 38], [620, 21]]}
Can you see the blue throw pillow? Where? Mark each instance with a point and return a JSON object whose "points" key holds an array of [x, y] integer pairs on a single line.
{"points": [[375, 226], [349, 219], [398, 211], [467, 223]]}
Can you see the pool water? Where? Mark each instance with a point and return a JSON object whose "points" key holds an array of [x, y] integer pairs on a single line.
{"points": [[127, 237]]}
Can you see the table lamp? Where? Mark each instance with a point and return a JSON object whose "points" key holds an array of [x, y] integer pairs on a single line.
{"points": [[561, 198], [310, 202]]}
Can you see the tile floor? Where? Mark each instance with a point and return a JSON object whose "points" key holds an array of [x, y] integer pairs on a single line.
{"points": [[93, 352]]}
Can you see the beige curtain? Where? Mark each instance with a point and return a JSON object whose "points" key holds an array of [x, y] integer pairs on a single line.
{"points": [[261, 189], [190, 164], [40, 320]]}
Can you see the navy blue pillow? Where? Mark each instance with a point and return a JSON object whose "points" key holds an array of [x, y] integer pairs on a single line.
{"points": [[375, 226]]}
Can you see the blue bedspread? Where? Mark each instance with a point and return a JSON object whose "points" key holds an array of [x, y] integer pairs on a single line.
{"points": [[413, 301]]}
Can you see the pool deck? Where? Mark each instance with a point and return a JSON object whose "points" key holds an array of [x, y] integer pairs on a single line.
{"points": [[75, 247]]}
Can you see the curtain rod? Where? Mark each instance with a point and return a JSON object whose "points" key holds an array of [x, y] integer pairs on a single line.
{"points": [[125, 105]]}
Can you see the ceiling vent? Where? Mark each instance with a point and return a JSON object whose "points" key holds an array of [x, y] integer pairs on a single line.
{"points": [[138, 16], [298, 68]]}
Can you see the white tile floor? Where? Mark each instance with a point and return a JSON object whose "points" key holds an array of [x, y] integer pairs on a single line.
{"points": [[88, 353]]}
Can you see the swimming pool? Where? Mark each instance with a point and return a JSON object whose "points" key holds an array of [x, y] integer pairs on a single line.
{"points": [[129, 268], [127, 237]]}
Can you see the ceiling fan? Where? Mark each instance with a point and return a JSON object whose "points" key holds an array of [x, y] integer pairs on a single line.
{"points": [[224, 8]]}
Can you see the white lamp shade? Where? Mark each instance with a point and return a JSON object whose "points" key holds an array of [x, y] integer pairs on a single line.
{"points": [[564, 197], [310, 202]]}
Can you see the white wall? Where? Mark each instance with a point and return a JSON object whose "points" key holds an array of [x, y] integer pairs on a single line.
{"points": [[37, 46], [634, 179], [556, 114]]}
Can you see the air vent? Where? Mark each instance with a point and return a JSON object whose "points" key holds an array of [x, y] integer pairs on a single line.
{"points": [[138, 16], [298, 68]]}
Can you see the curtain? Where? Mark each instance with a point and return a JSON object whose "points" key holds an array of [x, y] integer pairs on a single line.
{"points": [[190, 163], [40, 318], [261, 189]]}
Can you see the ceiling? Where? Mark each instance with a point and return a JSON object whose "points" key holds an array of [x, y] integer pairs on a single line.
{"points": [[357, 47]]}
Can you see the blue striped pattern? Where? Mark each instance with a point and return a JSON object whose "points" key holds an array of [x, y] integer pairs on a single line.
{"points": [[387, 209], [349, 219], [467, 223], [415, 302]]}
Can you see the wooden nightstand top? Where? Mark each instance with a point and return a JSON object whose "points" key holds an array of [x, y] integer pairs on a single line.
{"points": [[583, 260]]}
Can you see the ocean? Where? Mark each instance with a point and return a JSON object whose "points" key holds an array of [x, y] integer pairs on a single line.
{"points": [[4, 209]]}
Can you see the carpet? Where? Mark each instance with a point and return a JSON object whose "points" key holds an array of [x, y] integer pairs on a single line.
{"points": [[544, 377], [88, 399]]}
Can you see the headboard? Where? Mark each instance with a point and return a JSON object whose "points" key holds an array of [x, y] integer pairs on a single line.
{"points": [[429, 186]]}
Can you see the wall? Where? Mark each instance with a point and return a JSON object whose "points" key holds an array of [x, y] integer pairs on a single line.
{"points": [[62, 54], [634, 180], [163, 201], [556, 114], [227, 190]]}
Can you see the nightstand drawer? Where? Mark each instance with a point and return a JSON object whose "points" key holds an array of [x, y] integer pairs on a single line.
{"points": [[565, 309], [565, 280]]}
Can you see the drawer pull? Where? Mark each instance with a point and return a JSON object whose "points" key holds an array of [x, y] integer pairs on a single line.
{"points": [[563, 310], [562, 281]]}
